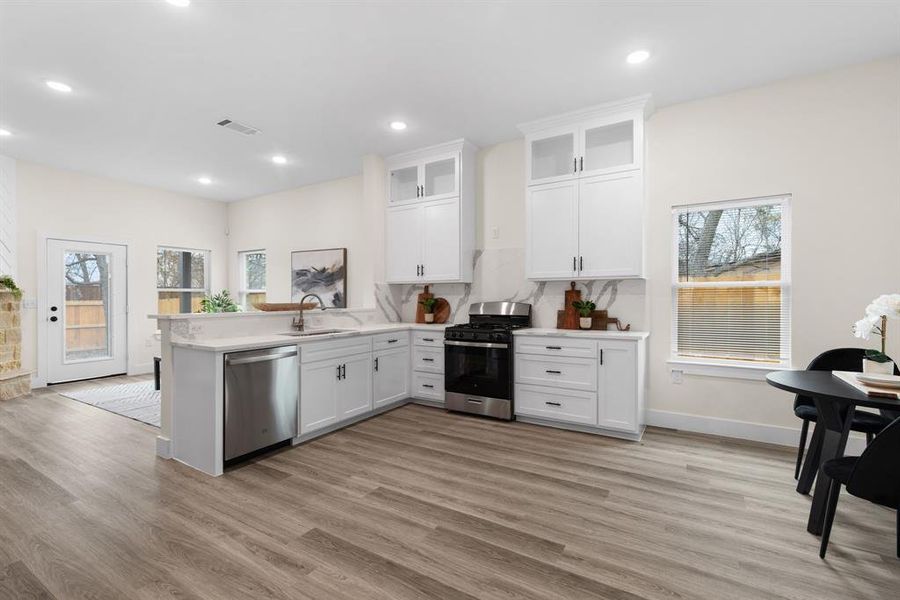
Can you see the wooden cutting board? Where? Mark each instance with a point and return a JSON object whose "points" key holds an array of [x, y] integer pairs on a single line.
{"points": [[420, 310], [567, 318], [441, 311], [867, 388]]}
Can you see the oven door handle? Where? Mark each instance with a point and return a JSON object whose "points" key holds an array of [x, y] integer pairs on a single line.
{"points": [[474, 344]]}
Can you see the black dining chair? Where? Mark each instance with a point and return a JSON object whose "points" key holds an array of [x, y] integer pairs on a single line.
{"points": [[874, 476], [839, 359]]}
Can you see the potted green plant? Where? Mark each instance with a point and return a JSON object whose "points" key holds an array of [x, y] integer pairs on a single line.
{"points": [[7, 283], [219, 303], [584, 308], [428, 305]]}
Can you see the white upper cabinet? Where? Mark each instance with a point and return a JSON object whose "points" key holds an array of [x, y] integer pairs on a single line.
{"points": [[404, 183], [610, 225], [584, 193], [552, 230], [430, 219], [552, 155]]}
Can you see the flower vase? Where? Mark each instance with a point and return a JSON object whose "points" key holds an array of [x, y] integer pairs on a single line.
{"points": [[429, 317], [585, 322]]}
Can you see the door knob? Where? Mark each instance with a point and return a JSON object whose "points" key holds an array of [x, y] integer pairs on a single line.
{"points": [[53, 308], [54, 319]]}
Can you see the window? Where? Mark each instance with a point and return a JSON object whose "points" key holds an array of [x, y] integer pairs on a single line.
{"points": [[731, 282], [182, 279], [253, 277]]}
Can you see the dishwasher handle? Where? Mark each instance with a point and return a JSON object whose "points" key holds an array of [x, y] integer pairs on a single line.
{"points": [[262, 358]]}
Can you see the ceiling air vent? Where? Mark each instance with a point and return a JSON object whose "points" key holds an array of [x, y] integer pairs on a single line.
{"points": [[239, 127]]}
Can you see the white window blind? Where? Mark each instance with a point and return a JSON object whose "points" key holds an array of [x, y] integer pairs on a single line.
{"points": [[731, 282]]}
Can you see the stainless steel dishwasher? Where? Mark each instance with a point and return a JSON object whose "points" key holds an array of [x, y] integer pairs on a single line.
{"points": [[262, 397]]}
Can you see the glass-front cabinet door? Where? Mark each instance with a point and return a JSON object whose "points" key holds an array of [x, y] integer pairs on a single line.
{"points": [[441, 177], [552, 156], [405, 183], [608, 147]]}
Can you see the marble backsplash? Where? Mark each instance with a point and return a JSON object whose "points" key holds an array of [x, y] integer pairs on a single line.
{"points": [[500, 275]]}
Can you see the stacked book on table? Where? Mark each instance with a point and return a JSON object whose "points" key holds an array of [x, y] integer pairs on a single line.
{"points": [[871, 384]]}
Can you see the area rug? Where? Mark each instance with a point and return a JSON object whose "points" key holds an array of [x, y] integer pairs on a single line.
{"points": [[138, 401]]}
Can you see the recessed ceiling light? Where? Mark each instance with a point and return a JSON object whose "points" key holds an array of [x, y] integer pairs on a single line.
{"points": [[59, 86], [637, 57], [279, 160], [398, 125], [179, 3], [204, 180], [5, 132]]}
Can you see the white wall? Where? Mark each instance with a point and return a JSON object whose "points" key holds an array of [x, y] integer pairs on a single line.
{"points": [[68, 204], [8, 210], [832, 141], [324, 215]]}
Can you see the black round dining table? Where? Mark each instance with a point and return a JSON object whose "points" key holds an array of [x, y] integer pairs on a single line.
{"points": [[836, 401]]}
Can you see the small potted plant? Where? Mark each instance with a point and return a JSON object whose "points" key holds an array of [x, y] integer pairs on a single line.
{"points": [[219, 303], [428, 305], [881, 309], [584, 308]]}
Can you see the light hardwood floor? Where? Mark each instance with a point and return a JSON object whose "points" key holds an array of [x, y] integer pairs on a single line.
{"points": [[418, 503]]}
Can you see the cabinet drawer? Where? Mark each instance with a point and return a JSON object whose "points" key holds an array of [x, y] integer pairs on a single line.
{"points": [[426, 359], [550, 346], [428, 386], [386, 341], [429, 338], [334, 349], [556, 404], [562, 371]]}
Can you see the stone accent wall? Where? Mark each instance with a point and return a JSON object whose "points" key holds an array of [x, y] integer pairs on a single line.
{"points": [[13, 381]]}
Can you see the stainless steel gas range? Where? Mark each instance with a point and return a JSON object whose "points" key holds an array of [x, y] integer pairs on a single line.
{"points": [[478, 359]]}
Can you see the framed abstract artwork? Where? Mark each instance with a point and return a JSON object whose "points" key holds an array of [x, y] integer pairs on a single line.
{"points": [[320, 272]]}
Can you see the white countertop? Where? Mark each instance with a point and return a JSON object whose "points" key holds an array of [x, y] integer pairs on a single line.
{"points": [[253, 313], [584, 333], [268, 340]]}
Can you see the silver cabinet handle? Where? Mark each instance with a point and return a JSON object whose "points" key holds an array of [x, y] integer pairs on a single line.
{"points": [[581, 263], [581, 164], [574, 263]]}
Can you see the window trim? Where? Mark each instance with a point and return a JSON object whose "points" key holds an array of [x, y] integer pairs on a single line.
{"points": [[723, 367], [244, 290], [207, 258]]}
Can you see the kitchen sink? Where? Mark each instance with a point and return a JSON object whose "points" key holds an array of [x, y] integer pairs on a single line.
{"points": [[317, 332]]}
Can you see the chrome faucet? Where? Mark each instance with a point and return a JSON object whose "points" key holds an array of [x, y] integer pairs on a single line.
{"points": [[297, 322]]}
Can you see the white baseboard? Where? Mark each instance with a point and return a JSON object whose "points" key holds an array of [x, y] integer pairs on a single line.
{"points": [[163, 447], [744, 430]]}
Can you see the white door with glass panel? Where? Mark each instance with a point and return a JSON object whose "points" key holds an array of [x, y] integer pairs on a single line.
{"points": [[86, 310]]}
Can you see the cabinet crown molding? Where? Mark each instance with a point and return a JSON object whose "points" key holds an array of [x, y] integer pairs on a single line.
{"points": [[642, 103], [453, 146]]}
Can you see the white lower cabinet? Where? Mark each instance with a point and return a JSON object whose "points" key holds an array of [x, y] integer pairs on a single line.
{"points": [[427, 358], [390, 376], [617, 384], [355, 386], [318, 395], [557, 404], [594, 382]]}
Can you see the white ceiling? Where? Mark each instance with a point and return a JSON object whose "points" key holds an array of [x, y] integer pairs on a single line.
{"points": [[323, 80]]}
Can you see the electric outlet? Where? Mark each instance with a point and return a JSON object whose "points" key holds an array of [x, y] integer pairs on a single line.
{"points": [[495, 233], [677, 376], [29, 303]]}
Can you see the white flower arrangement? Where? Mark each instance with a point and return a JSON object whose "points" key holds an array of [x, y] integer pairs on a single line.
{"points": [[882, 308]]}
